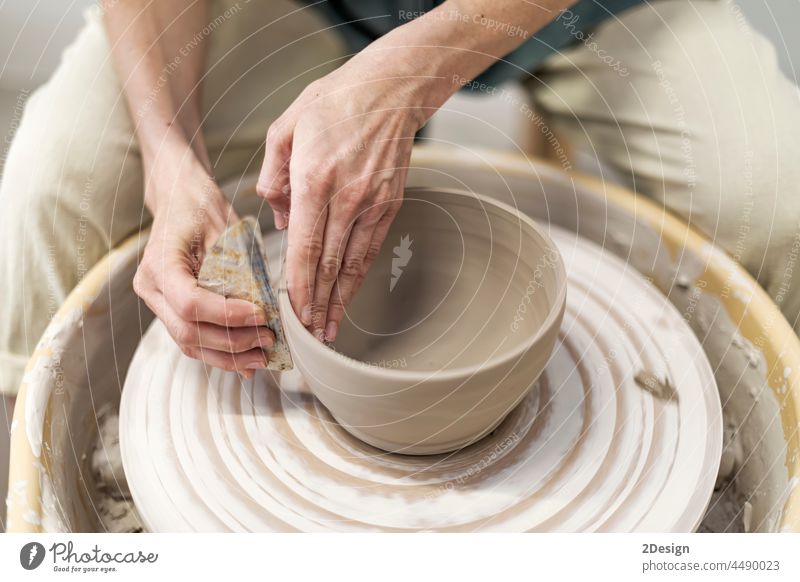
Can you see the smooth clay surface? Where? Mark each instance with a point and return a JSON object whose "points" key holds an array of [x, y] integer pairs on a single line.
{"points": [[447, 286], [455, 321], [589, 450]]}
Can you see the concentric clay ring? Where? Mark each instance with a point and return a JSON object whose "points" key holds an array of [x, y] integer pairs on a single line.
{"points": [[590, 451]]}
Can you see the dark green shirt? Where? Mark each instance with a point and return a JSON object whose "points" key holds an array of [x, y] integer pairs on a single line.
{"points": [[362, 21]]}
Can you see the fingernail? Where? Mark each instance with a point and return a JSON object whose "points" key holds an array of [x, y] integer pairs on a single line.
{"points": [[305, 315], [331, 330], [257, 365], [258, 318], [246, 375], [263, 340]]}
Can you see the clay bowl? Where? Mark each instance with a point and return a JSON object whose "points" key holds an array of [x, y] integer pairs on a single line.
{"points": [[451, 328]]}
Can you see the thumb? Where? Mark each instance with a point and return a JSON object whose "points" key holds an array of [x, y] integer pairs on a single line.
{"points": [[273, 181]]}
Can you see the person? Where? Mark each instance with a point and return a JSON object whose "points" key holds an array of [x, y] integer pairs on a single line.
{"points": [[157, 103]]}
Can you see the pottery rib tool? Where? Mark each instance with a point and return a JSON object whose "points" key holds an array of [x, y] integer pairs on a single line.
{"points": [[235, 268]]}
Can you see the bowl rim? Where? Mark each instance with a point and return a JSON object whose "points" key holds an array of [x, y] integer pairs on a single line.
{"points": [[556, 310]]}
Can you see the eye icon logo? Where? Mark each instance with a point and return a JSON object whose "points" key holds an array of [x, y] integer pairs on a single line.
{"points": [[31, 555]]}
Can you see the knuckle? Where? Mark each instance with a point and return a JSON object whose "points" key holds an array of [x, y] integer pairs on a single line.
{"points": [[372, 252], [336, 301], [273, 132], [190, 352], [273, 195], [373, 215], [186, 308], [322, 175], [139, 283], [313, 248], [262, 189], [184, 334], [392, 207], [351, 200], [328, 269], [271, 189], [351, 267], [240, 343]]}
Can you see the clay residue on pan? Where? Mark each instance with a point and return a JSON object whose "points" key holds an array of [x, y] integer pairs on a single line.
{"points": [[660, 387], [112, 502], [753, 481]]}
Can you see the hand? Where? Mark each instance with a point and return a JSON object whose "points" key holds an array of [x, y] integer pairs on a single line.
{"points": [[190, 213], [334, 172]]}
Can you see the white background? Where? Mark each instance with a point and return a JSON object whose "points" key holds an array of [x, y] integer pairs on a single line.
{"points": [[412, 557]]}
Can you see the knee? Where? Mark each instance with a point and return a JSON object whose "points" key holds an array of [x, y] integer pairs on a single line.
{"points": [[69, 177], [28, 188]]}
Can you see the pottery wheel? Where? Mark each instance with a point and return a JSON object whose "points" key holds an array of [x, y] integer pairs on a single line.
{"points": [[591, 450]]}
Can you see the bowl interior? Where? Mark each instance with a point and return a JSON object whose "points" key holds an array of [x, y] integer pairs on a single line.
{"points": [[460, 280]]}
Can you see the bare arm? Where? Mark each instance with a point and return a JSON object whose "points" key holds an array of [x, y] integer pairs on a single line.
{"points": [[161, 82], [160, 58], [335, 163], [463, 38]]}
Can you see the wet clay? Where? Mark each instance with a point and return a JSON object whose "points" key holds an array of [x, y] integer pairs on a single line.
{"points": [[588, 450], [455, 321], [113, 505], [466, 267]]}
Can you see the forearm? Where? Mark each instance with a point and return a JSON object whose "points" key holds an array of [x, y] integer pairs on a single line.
{"points": [[459, 40], [183, 45], [160, 70]]}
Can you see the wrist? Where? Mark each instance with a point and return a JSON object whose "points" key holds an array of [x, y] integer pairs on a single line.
{"points": [[405, 86], [176, 170], [425, 70]]}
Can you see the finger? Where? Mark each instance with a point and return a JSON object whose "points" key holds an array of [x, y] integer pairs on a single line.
{"points": [[306, 227], [193, 303], [381, 231], [190, 339], [335, 242], [273, 180], [341, 298], [244, 363], [207, 335], [352, 270], [233, 339]]}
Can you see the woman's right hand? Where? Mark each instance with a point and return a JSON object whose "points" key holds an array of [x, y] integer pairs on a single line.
{"points": [[190, 213]]}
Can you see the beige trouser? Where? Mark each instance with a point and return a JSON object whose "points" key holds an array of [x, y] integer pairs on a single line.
{"points": [[704, 117], [704, 123]]}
